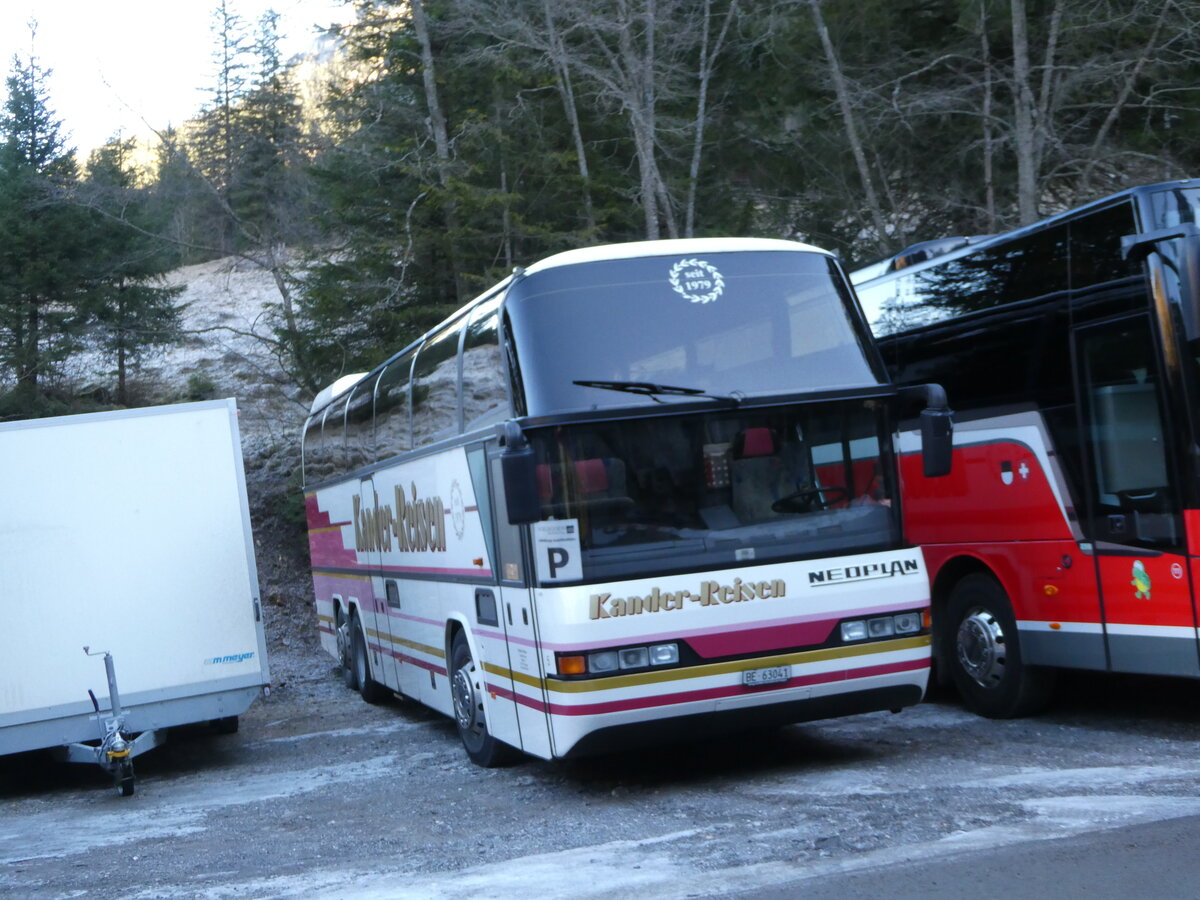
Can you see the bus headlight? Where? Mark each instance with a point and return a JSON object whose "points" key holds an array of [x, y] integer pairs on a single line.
{"points": [[604, 661], [854, 631], [882, 627], [635, 658], [664, 654]]}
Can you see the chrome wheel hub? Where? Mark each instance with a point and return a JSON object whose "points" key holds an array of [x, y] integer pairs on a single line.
{"points": [[463, 691], [981, 649]]}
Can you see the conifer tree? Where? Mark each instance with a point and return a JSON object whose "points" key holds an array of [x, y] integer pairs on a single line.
{"points": [[131, 310], [43, 248]]}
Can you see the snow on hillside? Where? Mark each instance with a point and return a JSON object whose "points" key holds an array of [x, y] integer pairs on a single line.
{"points": [[228, 324], [226, 303]]}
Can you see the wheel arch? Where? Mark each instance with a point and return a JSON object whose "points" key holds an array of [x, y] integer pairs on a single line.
{"points": [[949, 574], [455, 625]]}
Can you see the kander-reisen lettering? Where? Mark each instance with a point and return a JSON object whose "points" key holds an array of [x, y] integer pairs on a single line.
{"points": [[711, 593], [417, 524]]}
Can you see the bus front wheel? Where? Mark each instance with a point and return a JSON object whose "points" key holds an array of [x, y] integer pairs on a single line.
{"points": [[984, 653], [466, 688]]}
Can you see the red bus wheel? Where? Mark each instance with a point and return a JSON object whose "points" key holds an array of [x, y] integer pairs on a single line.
{"points": [[984, 653]]}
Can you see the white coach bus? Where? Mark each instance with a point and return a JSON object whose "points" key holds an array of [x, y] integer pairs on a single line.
{"points": [[631, 492]]}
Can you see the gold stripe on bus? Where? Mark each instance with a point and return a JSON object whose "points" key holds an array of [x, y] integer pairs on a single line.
{"points": [[530, 680], [328, 619], [348, 576], [411, 645], [679, 674], [324, 528]]}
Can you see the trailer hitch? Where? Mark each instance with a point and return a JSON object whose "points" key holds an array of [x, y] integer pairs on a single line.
{"points": [[116, 751]]}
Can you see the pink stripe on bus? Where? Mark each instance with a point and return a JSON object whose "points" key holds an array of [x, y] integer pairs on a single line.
{"points": [[733, 690]]}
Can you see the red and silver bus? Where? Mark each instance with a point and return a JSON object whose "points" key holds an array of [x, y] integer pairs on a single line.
{"points": [[1068, 536], [628, 492]]}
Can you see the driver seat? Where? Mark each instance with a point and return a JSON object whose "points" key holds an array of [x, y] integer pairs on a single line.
{"points": [[761, 472]]}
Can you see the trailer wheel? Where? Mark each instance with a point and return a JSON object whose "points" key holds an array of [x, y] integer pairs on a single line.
{"points": [[984, 653], [124, 778], [466, 688], [370, 689]]}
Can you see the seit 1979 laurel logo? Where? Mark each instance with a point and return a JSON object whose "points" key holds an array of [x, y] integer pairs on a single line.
{"points": [[696, 280]]}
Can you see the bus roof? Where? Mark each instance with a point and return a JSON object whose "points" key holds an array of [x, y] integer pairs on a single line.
{"points": [[673, 247], [599, 253], [964, 246]]}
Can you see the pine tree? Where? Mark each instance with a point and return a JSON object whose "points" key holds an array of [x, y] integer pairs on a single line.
{"points": [[131, 311], [42, 240]]}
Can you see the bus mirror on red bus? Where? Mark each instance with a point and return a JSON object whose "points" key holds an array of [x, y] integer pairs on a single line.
{"points": [[937, 438], [518, 468]]}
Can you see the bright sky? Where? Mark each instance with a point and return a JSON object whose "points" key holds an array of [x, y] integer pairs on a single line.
{"points": [[120, 64]]}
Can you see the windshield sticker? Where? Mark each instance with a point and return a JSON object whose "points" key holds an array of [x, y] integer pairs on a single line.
{"points": [[697, 280], [557, 551]]}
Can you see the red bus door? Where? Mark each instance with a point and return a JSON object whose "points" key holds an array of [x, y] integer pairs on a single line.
{"points": [[1133, 512]]}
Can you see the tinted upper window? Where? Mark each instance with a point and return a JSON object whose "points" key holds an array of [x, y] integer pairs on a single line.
{"points": [[393, 433], [1025, 268], [485, 394], [435, 387], [754, 322], [1096, 247]]}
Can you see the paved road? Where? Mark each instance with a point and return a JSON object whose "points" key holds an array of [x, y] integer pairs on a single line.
{"points": [[322, 796], [1155, 860]]}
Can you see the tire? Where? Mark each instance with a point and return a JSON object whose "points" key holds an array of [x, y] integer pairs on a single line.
{"points": [[983, 653], [360, 663], [466, 689], [124, 779], [224, 725]]}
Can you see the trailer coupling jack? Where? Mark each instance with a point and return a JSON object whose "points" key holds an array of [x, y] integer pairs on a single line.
{"points": [[115, 752]]}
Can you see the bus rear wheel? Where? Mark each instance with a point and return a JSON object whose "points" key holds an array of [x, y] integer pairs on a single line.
{"points": [[984, 653], [466, 689], [368, 688]]}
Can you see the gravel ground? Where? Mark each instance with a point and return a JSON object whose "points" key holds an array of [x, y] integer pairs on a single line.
{"points": [[321, 795]]}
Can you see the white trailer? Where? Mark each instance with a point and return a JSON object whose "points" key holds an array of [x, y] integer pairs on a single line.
{"points": [[126, 558]]}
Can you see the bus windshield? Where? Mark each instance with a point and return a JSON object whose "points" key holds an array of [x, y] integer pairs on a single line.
{"points": [[680, 492], [747, 323]]}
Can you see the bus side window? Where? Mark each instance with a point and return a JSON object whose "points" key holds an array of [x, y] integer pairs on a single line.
{"points": [[314, 451], [360, 432], [435, 387], [393, 434], [334, 436], [485, 385]]}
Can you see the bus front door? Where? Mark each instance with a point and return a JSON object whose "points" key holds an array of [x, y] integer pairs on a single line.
{"points": [[1134, 519]]}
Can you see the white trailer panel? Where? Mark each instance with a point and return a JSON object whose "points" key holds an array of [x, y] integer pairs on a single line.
{"points": [[126, 532]]}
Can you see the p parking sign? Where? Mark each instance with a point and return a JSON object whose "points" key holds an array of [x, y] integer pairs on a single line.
{"points": [[556, 550]]}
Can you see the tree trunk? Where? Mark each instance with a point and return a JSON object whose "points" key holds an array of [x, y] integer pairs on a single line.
{"points": [[707, 61], [989, 178], [1026, 150], [566, 91], [852, 138], [441, 138]]}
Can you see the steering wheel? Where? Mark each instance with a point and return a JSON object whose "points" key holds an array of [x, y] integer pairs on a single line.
{"points": [[802, 500]]}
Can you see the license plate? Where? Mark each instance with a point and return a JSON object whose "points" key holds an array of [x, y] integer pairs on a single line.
{"points": [[771, 675]]}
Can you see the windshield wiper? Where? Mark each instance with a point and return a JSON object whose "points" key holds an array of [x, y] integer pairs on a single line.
{"points": [[657, 391]]}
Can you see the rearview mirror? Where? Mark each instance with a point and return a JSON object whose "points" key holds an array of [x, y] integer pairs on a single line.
{"points": [[518, 469]]}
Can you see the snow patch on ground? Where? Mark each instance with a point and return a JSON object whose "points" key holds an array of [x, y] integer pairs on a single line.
{"points": [[62, 833]]}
